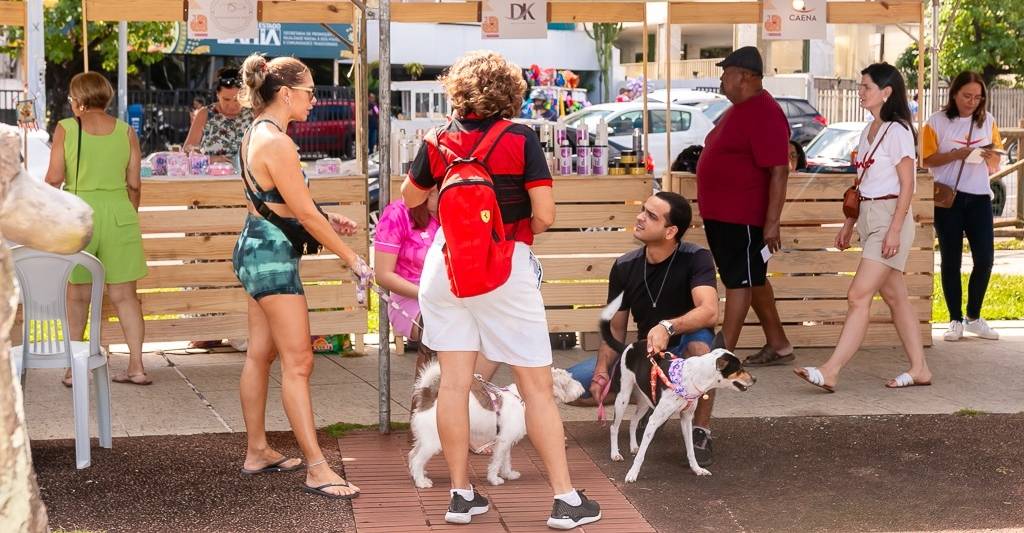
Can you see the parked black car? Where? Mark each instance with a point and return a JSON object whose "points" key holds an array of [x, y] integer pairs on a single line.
{"points": [[804, 121]]}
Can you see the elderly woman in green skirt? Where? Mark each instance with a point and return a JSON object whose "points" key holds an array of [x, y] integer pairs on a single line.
{"points": [[97, 157]]}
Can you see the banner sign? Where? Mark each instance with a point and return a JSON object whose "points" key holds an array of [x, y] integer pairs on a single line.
{"points": [[794, 20], [304, 41], [514, 19], [222, 19]]}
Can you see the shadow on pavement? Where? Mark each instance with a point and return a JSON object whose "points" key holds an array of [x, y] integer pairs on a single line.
{"points": [[868, 473]]}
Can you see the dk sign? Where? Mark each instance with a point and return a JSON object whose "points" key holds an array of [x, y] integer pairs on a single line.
{"points": [[514, 19]]}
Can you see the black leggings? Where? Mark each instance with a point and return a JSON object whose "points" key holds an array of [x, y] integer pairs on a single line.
{"points": [[970, 214]]}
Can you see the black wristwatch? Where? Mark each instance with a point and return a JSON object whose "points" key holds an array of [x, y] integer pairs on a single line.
{"points": [[669, 327]]}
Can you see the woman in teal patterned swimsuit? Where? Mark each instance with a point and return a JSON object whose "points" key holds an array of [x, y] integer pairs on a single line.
{"points": [[279, 92]]}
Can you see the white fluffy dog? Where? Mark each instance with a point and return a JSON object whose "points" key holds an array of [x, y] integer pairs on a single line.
{"points": [[496, 414]]}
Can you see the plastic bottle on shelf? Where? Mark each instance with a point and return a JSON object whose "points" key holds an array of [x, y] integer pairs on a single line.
{"points": [[599, 152]]}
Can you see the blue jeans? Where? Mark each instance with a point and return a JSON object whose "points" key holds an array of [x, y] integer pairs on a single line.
{"points": [[584, 370]]}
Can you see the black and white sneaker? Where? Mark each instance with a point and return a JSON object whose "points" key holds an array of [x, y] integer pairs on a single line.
{"points": [[461, 510], [565, 516]]}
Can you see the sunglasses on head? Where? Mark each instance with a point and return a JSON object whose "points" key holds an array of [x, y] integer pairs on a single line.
{"points": [[231, 83]]}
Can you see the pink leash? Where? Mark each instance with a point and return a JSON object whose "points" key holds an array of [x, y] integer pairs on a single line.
{"points": [[604, 392]]}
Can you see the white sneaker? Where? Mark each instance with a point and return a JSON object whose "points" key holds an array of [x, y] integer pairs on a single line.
{"points": [[955, 331], [980, 328]]}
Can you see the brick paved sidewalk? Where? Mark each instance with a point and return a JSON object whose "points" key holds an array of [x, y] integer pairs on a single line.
{"points": [[391, 503]]}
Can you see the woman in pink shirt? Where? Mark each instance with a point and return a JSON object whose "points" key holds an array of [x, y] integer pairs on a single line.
{"points": [[403, 237]]}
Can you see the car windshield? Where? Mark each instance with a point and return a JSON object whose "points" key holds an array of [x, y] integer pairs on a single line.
{"points": [[833, 143], [714, 108], [590, 117]]}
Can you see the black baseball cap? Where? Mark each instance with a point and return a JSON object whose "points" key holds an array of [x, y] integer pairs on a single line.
{"points": [[747, 57]]}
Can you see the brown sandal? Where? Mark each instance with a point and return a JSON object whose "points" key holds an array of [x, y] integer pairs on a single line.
{"points": [[766, 356]]}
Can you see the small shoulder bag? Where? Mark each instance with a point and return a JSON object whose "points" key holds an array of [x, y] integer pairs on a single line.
{"points": [[944, 194], [851, 198]]}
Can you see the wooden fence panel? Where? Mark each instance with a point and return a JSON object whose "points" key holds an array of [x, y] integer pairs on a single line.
{"points": [[190, 226], [810, 277]]}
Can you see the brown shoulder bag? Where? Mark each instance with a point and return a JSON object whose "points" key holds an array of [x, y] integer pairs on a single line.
{"points": [[851, 198], [944, 194]]}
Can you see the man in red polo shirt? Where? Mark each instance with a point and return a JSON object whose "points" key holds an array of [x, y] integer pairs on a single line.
{"points": [[741, 188]]}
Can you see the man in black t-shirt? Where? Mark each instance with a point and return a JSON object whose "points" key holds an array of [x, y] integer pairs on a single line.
{"points": [[669, 287]]}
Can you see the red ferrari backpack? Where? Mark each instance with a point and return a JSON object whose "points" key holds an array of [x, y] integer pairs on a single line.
{"points": [[477, 253]]}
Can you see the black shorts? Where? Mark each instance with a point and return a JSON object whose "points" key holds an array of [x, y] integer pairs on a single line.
{"points": [[737, 252]]}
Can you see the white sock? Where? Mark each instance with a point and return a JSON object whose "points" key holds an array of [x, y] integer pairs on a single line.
{"points": [[466, 494], [706, 430], [572, 497]]}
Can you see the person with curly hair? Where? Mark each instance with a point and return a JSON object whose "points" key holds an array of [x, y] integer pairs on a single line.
{"points": [[507, 324]]}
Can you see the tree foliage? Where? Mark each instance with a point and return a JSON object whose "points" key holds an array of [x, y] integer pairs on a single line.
{"points": [[907, 65], [604, 35], [63, 43], [986, 36]]}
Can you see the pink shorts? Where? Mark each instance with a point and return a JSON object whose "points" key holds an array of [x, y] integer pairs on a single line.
{"points": [[401, 325]]}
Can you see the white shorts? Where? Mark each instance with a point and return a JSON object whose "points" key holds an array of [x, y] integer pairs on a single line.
{"points": [[507, 325]]}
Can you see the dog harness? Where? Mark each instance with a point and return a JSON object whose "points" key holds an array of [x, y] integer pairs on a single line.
{"points": [[673, 380], [494, 393]]}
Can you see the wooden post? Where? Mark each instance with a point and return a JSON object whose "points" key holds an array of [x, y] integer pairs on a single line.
{"points": [[668, 99], [361, 73], [643, 89], [85, 38], [920, 79]]}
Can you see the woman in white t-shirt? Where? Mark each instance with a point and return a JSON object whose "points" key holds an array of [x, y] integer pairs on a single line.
{"points": [[950, 136], [885, 163]]}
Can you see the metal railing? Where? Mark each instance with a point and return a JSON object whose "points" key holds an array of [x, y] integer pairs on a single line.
{"points": [[8, 105], [685, 69], [167, 115]]}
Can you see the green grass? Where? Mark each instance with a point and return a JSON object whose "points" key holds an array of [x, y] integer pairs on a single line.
{"points": [[968, 412], [1010, 244], [341, 429], [373, 318], [1003, 300]]}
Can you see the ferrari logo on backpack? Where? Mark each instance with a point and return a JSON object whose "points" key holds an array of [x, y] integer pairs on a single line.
{"points": [[485, 215]]}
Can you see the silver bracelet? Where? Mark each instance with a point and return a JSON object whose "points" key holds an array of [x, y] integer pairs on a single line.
{"points": [[320, 462]]}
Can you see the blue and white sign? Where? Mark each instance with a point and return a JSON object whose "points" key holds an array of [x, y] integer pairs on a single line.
{"points": [[309, 41]]}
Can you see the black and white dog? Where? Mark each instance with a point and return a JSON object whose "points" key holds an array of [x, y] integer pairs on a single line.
{"points": [[668, 386], [496, 414]]}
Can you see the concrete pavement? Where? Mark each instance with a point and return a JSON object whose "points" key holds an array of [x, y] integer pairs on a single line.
{"points": [[198, 392]]}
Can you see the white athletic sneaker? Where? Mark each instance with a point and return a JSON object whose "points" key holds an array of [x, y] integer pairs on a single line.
{"points": [[980, 328], [955, 331]]}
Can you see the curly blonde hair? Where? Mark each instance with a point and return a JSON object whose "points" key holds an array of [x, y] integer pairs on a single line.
{"points": [[262, 78], [485, 84]]}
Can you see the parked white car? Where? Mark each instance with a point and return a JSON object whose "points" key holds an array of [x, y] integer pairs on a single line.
{"points": [[688, 127]]}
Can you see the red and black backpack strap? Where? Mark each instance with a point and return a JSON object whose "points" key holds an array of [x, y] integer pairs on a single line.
{"points": [[481, 150]]}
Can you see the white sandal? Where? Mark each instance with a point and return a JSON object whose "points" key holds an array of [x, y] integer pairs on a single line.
{"points": [[813, 376]]}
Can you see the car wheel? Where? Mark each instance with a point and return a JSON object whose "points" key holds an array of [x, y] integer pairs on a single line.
{"points": [[998, 197]]}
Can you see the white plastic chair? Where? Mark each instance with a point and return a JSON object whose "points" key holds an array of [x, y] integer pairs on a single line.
{"points": [[43, 277]]}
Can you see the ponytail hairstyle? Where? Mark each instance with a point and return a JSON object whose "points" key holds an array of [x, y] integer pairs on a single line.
{"points": [[262, 79], [896, 108]]}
